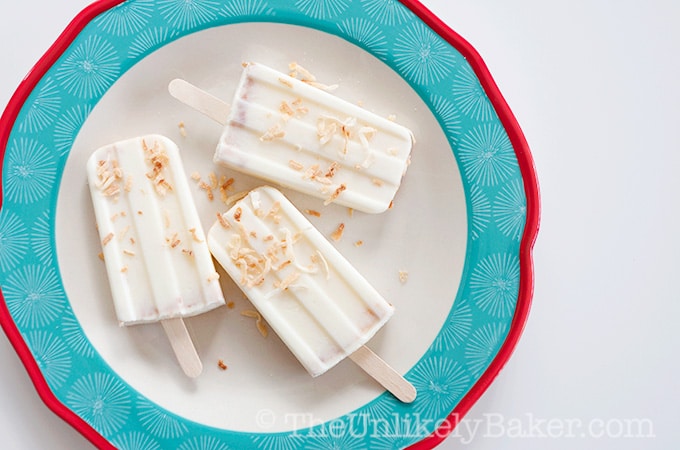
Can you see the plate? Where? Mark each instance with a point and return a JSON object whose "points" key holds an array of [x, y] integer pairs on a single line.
{"points": [[462, 226]]}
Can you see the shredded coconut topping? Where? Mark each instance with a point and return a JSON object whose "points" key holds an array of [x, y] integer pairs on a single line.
{"points": [[107, 239], [108, 177], [337, 234], [335, 194], [259, 322], [273, 133], [157, 157]]}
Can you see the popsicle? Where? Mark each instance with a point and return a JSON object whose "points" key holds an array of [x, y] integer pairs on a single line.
{"points": [[322, 308], [157, 259], [292, 132]]}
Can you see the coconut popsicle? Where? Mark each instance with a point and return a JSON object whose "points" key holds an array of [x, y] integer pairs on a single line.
{"points": [[290, 131], [320, 306], [157, 260]]}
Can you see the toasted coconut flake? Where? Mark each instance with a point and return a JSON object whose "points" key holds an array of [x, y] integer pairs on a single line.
{"points": [[295, 165], [391, 204], [196, 176], [365, 135], [213, 277], [101, 255], [230, 304], [269, 237], [325, 130], [359, 243], [323, 87], [109, 176], [213, 180], [403, 276], [173, 241], [222, 221], [124, 269], [261, 327], [324, 264], [194, 235], [377, 181], [290, 279], [224, 186], [286, 110], [221, 365], [225, 183], [208, 190], [350, 212], [335, 194], [157, 158], [235, 197], [330, 173], [188, 252], [237, 214], [285, 82], [128, 252], [276, 207], [107, 239], [368, 161], [337, 234], [297, 71], [273, 133], [312, 212], [182, 129], [283, 265], [128, 184], [259, 323]]}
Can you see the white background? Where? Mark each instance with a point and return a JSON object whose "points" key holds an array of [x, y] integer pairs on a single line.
{"points": [[595, 86]]}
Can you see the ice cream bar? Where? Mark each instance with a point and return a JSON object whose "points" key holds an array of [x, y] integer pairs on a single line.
{"points": [[292, 132], [320, 306], [157, 260]]}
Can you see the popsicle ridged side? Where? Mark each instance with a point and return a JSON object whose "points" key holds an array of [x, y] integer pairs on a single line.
{"points": [[311, 296], [300, 136], [154, 247]]}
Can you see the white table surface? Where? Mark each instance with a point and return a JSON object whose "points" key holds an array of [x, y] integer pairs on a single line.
{"points": [[595, 86]]}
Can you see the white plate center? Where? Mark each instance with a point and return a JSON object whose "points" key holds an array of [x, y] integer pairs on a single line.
{"points": [[264, 387]]}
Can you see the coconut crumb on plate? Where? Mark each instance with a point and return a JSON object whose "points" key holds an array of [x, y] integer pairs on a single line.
{"points": [[337, 234], [403, 276], [259, 322]]}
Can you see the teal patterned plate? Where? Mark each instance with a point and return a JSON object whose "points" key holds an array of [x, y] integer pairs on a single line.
{"points": [[453, 255]]}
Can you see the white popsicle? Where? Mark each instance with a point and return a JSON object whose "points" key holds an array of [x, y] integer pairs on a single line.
{"points": [[157, 260], [291, 132], [320, 306]]}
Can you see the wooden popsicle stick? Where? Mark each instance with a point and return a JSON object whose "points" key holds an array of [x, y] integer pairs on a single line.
{"points": [[182, 345], [200, 100], [380, 371]]}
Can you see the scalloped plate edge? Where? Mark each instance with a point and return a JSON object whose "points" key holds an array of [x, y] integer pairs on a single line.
{"points": [[507, 118]]}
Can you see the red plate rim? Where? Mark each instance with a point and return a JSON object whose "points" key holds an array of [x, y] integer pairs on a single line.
{"points": [[507, 118]]}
